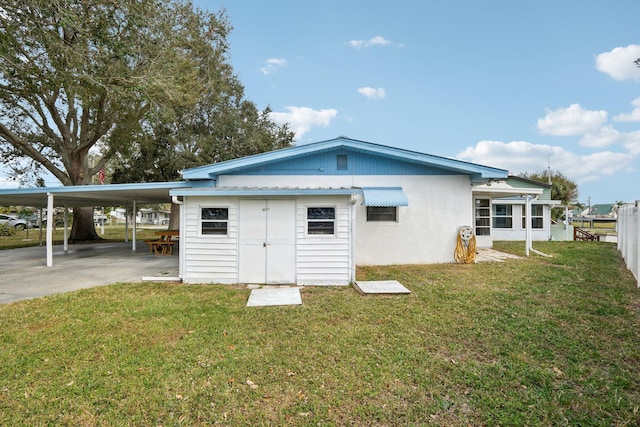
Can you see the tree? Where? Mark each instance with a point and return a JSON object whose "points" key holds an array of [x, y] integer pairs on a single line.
{"points": [[562, 188], [207, 133], [76, 75]]}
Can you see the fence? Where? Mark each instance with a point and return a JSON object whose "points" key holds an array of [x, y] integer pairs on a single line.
{"points": [[629, 236]]}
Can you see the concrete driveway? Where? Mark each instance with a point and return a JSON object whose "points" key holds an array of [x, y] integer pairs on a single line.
{"points": [[24, 273]]}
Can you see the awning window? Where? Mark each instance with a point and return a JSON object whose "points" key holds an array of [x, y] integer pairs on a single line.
{"points": [[384, 196]]}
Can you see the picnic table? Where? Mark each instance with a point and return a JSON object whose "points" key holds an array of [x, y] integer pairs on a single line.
{"points": [[163, 245]]}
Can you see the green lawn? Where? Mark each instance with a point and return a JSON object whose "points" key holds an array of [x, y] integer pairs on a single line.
{"points": [[538, 341], [31, 237]]}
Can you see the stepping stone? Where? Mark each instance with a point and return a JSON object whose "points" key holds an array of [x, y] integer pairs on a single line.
{"points": [[264, 297], [381, 287]]}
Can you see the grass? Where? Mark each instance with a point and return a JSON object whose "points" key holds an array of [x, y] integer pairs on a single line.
{"points": [[31, 237], [538, 341]]}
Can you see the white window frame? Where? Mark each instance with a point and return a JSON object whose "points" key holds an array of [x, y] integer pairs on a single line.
{"points": [[395, 219], [477, 217], [508, 215], [333, 220], [201, 221], [533, 217]]}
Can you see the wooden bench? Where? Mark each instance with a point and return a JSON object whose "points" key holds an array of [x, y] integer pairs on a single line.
{"points": [[163, 245]]}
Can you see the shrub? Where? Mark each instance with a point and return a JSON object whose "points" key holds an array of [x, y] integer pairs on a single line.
{"points": [[7, 230]]}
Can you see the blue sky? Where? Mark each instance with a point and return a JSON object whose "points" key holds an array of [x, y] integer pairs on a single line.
{"points": [[510, 84]]}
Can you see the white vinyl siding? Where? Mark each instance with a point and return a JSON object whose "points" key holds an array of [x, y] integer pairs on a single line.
{"points": [[209, 258], [323, 259]]}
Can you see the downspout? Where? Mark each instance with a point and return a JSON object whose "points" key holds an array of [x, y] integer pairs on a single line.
{"points": [[528, 229], [527, 224], [352, 240]]}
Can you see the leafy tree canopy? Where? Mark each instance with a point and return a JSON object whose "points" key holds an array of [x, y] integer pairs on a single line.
{"points": [[562, 188], [116, 78]]}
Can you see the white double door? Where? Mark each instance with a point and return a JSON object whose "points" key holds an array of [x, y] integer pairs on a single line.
{"points": [[267, 250]]}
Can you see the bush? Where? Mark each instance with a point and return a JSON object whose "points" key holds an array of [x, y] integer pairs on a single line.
{"points": [[7, 230]]}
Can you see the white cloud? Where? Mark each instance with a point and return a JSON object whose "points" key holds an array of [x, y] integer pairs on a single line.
{"points": [[602, 137], [272, 65], [632, 143], [522, 156], [374, 41], [573, 120], [372, 93], [619, 63], [302, 119], [634, 116]]}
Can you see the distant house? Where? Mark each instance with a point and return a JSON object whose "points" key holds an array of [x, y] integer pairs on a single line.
{"points": [[601, 211], [153, 216]]}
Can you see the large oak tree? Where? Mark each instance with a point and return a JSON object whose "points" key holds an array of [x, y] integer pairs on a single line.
{"points": [[80, 76]]}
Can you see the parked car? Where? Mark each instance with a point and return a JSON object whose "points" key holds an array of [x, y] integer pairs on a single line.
{"points": [[18, 223]]}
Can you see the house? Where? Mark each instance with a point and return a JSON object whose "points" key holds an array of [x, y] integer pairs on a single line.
{"points": [[309, 214]]}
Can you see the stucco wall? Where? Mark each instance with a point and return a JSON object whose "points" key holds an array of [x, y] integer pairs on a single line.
{"points": [[426, 229]]}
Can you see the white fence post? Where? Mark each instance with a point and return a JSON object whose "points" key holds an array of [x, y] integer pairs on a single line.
{"points": [[629, 237]]}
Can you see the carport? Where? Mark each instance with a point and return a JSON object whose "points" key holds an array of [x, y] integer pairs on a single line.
{"points": [[129, 195]]}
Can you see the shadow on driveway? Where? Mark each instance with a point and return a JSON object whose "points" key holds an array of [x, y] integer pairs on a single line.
{"points": [[24, 273]]}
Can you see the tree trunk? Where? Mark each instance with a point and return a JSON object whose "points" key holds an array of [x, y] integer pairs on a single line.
{"points": [[174, 218], [83, 228]]}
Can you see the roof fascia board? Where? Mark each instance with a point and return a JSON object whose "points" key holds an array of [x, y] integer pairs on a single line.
{"points": [[475, 170], [95, 188], [221, 192]]}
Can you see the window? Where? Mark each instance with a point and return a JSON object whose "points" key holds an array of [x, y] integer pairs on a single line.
{"points": [[502, 216], [214, 221], [536, 216], [341, 162], [483, 217], [378, 213], [321, 220]]}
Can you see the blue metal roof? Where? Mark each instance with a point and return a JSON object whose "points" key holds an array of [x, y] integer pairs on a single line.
{"points": [[364, 158], [384, 196]]}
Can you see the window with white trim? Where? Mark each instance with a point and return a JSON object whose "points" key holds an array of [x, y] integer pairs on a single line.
{"points": [[382, 213], [502, 216], [321, 220], [214, 221], [537, 218], [483, 217]]}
